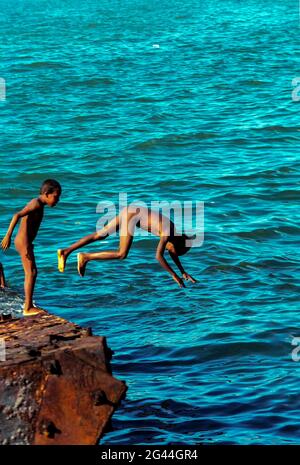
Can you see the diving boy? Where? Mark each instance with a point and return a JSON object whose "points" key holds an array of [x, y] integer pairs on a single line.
{"points": [[126, 221], [31, 217]]}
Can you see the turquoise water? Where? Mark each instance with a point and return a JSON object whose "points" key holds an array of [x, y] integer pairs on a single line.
{"points": [[208, 115]]}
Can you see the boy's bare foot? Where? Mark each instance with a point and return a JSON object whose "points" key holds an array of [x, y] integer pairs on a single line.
{"points": [[81, 264], [62, 258], [32, 311]]}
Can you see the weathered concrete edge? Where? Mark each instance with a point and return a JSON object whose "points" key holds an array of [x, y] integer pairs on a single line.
{"points": [[47, 357]]}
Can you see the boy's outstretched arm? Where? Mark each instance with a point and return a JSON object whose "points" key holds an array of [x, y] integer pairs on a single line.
{"points": [[160, 257], [185, 275], [30, 207]]}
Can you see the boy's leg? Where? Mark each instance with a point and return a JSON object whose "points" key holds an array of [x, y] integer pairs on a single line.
{"points": [[127, 226], [30, 270], [2, 278], [110, 228]]}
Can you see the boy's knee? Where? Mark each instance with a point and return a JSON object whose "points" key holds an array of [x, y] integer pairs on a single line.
{"points": [[32, 272], [122, 255]]}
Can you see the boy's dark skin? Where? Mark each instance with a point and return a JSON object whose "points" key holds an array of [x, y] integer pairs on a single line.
{"points": [[126, 221], [2, 278], [31, 217]]}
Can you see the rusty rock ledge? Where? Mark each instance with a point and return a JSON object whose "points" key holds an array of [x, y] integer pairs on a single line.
{"points": [[56, 385]]}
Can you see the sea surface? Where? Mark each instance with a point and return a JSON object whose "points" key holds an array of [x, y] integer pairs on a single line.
{"points": [[170, 101]]}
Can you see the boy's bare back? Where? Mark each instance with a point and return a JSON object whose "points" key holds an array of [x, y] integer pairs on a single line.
{"points": [[154, 222]]}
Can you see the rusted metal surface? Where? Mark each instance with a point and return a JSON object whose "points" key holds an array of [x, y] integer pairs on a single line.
{"points": [[56, 385]]}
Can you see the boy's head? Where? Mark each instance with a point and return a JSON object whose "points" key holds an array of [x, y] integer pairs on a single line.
{"points": [[51, 191], [178, 245]]}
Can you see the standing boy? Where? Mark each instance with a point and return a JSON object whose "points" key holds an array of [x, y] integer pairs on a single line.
{"points": [[31, 217]]}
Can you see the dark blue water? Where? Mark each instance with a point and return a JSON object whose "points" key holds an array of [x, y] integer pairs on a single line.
{"points": [[208, 115]]}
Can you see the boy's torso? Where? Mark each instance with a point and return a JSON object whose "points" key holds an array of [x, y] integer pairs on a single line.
{"points": [[29, 226], [154, 222]]}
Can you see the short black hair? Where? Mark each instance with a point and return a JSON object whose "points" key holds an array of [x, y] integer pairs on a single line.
{"points": [[180, 244], [49, 186]]}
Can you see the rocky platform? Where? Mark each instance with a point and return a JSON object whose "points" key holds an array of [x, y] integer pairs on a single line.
{"points": [[56, 385]]}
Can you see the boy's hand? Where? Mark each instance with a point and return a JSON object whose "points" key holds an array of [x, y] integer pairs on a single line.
{"points": [[179, 281], [188, 277], [5, 244]]}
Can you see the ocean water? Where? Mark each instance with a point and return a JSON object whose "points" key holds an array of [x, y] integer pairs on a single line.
{"points": [[166, 100]]}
